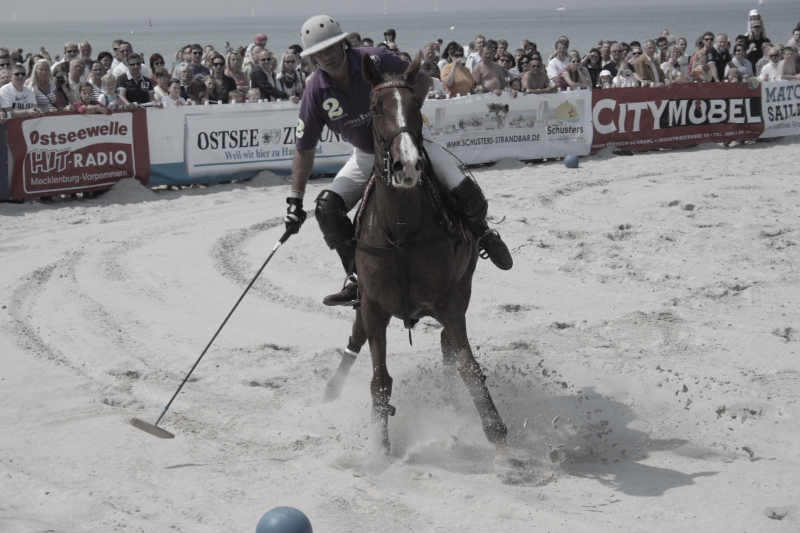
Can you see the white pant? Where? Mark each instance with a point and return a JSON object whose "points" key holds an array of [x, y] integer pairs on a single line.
{"points": [[351, 181]]}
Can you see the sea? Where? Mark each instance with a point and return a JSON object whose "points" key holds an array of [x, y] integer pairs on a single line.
{"points": [[584, 27]]}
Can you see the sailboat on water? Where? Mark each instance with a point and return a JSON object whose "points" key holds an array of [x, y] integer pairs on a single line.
{"points": [[385, 12], [561, 7]]}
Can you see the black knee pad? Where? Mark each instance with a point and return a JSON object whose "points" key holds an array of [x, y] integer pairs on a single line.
{"points": [[331, 215], [470, 200]]}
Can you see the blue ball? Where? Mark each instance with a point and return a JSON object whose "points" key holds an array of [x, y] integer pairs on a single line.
{"points": [[284, 520], [571, 161]]}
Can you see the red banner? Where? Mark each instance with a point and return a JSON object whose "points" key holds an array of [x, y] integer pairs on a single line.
{"points": [[67, 153], [682, 115]]}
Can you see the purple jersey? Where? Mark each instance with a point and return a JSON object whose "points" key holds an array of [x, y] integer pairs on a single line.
{"points": [[346, 114]]}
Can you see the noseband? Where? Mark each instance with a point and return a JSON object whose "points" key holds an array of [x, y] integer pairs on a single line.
{"points": [[385, 174]]}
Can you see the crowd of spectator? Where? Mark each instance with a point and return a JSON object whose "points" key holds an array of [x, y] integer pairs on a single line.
{"points": [[36, 83]]}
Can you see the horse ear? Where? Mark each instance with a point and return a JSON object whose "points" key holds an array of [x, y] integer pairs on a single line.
{"points": [[413, 69], [371, 73]]}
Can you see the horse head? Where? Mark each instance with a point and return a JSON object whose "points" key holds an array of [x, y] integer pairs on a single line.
{"points": [[397, 123]]}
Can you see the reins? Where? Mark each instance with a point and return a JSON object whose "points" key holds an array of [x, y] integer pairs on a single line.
{"points": [[401, 248]]}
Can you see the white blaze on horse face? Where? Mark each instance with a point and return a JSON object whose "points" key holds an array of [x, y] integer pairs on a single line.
{"points": [[409, 154]]}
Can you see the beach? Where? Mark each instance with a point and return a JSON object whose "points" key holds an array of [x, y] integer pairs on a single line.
{"points": [[643, 352]]}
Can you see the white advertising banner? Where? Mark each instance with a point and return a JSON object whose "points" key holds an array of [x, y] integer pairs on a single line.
{"points": [[242, 140], [487, 127], [780, 106]]}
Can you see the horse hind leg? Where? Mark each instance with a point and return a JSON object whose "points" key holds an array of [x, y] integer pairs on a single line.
{"points": [[358, 337]]}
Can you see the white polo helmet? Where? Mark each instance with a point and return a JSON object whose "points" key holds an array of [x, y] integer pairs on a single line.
{"points": [[320, 32]]}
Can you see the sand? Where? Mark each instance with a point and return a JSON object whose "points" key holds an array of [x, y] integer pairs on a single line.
{"points": [[643, 351]]}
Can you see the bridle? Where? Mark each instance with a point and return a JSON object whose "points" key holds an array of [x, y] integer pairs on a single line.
{"points": [[385, 173]]}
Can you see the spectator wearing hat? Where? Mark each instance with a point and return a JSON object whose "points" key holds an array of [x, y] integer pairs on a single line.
{"points": [[259, 40], [389, 36], [605, 81]]}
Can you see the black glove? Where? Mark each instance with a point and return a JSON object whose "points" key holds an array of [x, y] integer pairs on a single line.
{"points": [[295, 215]]}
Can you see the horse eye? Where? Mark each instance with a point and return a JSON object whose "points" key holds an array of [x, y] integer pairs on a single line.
{"points": [[375, 110]]}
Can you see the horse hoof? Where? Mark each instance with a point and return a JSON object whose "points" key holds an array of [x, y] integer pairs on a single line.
{"points": [[391, 410]]}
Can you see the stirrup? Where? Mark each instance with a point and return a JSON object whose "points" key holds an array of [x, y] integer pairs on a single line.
{"points": [[500, 255]]}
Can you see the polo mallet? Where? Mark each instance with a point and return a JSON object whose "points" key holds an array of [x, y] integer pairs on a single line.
{"points": [[161, 433]]}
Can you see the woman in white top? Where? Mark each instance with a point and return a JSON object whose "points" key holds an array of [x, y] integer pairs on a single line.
{"points": [[290, 80], [740, 62], [41, 81], [672, 66], [559, 61], [162, 83], [624, 77]]}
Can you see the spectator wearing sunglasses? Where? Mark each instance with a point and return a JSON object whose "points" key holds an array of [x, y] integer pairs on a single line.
{"points": [[451, 47], [535, 80], [456, 78], [156, 62], [263, 79], [198, 68], [617, 54], [17, 99], [765, 49], [755, 42], [769, 72], [507, 63], [126, 49], [5, 60], [70, 52], [290, 80], [740, 63], [225, 84], [520, 62], [134, 88]]}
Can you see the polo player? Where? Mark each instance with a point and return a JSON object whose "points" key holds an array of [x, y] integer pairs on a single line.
{"points": [[338, 96]]}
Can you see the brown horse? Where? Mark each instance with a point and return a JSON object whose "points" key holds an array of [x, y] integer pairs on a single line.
{"points": [[408, 266]]}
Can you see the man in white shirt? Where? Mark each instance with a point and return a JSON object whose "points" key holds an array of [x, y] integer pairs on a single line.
{"points": [[70, 52], [125, 50], [769, 72], [16, 98], [475, 57], [77, 75]]}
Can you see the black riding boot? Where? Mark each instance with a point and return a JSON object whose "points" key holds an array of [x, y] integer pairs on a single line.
{"points": [[472, 208], [339, 235]]}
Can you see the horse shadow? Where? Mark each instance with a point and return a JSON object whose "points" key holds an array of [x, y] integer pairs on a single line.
{"points": [[555, 429]]}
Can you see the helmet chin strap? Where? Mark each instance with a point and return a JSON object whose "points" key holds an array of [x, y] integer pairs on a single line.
{"points": [[344, 59]]}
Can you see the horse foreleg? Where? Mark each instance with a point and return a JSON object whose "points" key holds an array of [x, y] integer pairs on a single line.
{"points": [[375, 323], [471, 373], [358, 338], [449, 367]]}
